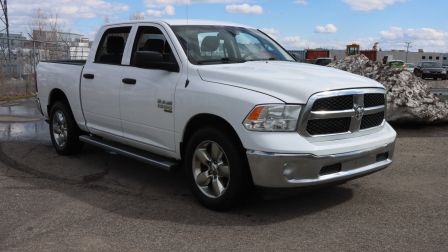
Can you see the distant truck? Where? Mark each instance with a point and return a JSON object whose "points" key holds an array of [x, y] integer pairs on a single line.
{"points": [[312, 55], [225, 102]]}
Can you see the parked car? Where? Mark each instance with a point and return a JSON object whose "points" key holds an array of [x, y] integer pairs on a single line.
{"points": [[396, 64], [430, 69], [178, 94], [409, 67], [323, 61]]}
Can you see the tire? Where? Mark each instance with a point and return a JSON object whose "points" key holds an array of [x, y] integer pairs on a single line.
{"points": [[217, 169], [63, 130]]}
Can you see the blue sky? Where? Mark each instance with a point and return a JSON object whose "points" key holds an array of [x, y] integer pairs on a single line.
{"points": [[297, 24]]}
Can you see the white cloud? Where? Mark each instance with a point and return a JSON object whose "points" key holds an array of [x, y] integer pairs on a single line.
{"points": [[301, 2], [272, 32], [369, 5], [138, 16], [21, 12], [392, 33], [154, 13], [426, 38], [159, 3], [244, 9], [328, 28], [169, 10], [296, 42]]}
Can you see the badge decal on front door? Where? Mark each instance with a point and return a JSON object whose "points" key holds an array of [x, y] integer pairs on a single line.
{"points": [[167, 106]]}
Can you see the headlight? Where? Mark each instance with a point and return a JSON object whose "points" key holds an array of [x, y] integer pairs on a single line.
{"points": [[273, 117], [444, 71], [426, 71]]}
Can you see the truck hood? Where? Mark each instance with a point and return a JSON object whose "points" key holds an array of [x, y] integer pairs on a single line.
{"points": [[290, 82]]}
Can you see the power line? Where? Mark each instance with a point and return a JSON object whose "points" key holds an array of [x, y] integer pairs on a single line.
{"points": [[5, 43], [408, 44]]}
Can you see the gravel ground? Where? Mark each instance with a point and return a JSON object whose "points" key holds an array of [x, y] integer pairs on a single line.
{"points": [[438, 83], [97, 201]]}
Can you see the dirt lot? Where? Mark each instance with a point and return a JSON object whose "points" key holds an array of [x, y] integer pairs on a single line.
{"points": [[97, 201]]}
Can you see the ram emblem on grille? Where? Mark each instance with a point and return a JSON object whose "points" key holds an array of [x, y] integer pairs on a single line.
{"points": [[359, 112]]}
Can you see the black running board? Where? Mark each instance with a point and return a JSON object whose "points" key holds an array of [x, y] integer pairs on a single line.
{"points": [[143, 156]]}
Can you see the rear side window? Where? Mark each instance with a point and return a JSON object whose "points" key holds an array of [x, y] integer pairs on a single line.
{"points": [[112, 44]]}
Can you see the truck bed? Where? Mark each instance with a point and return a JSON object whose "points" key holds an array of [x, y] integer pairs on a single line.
{"points": [[63, 75]]}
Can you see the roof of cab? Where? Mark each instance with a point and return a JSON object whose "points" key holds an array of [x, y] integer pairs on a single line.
{"points": [[181, 22]]}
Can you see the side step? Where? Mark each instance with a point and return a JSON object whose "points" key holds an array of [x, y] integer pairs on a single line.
{"points": [[143, 156]]}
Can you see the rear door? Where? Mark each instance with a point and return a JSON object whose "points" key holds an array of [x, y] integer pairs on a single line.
{"points": [[101, 82], [147, 100]]}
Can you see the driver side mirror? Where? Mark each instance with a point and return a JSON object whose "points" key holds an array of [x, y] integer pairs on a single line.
{"points": [[154, 60]]}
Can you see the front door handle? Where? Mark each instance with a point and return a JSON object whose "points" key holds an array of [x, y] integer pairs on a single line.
{"points": [[89, 76], [129, 81]]}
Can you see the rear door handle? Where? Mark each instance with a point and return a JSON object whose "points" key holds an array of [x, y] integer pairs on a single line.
{"points": [[89, 76], [129, 81]]}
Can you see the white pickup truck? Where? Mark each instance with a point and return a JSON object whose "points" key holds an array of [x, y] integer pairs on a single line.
{"points": [[224, 101]]}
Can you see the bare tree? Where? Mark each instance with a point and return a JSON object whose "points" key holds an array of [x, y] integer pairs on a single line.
{"points": [[46, 30]]}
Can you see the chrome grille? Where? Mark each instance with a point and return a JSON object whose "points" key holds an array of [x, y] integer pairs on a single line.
{"points": [[373, 100], [354, 111], [373, 120], [334, 103], [328, 126]]}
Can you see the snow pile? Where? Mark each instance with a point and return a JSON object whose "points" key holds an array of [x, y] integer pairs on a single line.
{"points": [[408, 97]]}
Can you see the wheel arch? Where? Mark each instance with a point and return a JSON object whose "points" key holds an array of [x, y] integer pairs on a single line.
{"points": [[207, 120], [56, 95]]}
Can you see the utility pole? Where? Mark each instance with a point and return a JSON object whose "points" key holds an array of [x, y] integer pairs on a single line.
{"points": [[5, 45], [408, 44]]}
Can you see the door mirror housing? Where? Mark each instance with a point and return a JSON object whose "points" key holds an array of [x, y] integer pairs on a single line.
{"points": [[154, 60]]}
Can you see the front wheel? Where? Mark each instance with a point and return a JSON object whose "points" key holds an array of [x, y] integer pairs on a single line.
{"points": [[217, 169], [63, 130]]}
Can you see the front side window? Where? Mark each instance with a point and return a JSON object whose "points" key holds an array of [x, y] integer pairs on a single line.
{"points": [[112, 44], [225, 44], [151, 39]]}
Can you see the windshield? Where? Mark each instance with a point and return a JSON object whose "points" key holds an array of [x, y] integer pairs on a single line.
{"points": [[431, 64], [225, 44]]}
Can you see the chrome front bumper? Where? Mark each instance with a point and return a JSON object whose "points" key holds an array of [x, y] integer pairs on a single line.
{"points": [[299, 170]]}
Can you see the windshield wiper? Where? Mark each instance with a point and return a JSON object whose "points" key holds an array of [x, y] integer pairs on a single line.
{"points": [[268, 59], [222, 60]]}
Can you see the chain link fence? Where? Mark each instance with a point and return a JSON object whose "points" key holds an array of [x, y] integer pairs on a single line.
{"points": [[18, 65]]}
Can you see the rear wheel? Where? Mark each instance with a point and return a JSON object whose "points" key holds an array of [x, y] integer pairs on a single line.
{"points": [[217, 169], [63, 130]]}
